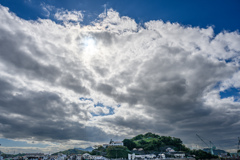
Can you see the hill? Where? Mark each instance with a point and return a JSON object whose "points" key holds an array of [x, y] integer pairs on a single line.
{"points": [[89, 149], [70, 151], [154, 142]]}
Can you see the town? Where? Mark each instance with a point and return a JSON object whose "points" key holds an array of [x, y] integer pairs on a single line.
{"points": [[140, 147]]}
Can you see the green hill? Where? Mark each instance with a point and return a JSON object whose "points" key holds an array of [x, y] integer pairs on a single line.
{"points": [[154, 142]]}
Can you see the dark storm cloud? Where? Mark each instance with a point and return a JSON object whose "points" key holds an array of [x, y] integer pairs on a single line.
{"points": [[73, 83], [19, 61], [42, 115], [49, 130]]}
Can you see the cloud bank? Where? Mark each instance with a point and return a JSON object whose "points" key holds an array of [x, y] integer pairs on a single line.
{"points": [[115, 79]]}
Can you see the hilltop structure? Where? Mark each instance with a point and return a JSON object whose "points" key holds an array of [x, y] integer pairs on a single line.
{"points": [[112, 143]]}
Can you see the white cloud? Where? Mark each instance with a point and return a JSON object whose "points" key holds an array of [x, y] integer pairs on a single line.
{"points": [[47, 9], [159, 78], [65, 15]]}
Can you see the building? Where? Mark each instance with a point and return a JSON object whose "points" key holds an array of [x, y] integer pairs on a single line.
{"points": [[112, 143], [118, 143], [143, 156], [178, 154], [162, 156], [92, 157]]}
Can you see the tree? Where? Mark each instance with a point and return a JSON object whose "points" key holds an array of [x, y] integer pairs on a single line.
{"points": [[99, 150], [129, 144], [138, 137], [152, 135], [117, 152]]}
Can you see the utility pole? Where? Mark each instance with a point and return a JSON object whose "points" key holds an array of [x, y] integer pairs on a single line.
{"points": [[210, 147], [202, 140]]}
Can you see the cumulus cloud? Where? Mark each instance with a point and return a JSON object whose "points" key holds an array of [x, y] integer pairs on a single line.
{"points": [[115, 79]]}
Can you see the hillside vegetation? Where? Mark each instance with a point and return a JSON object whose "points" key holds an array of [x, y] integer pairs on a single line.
{"points": [[154, 142]]}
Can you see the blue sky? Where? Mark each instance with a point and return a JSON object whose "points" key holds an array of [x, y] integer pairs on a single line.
{"points": [[223, 14], [10, 143], [79, 73]]}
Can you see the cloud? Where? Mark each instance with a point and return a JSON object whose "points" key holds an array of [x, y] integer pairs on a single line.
{"points": [[65, 15], [47, 9], [159, 77]]}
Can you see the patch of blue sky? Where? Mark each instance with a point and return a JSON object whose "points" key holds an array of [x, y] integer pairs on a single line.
{"points": [[231, 92], [217, 85], [110, 108], [99, 104], [233, 60], [85, 99], [111, 112], [11, 143], [102, 105]]}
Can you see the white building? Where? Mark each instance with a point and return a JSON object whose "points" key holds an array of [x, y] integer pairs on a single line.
{"points": [[118, 143], [170, 150], [148, 156], [61, 157], [112, 143], [93, 157], [162, 156], [178, 154]]}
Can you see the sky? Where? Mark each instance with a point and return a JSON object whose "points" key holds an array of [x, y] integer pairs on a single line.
{"points": [[79, 73]]}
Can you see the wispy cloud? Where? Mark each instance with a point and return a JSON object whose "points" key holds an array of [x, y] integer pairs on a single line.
{"points": [[65, 15]]}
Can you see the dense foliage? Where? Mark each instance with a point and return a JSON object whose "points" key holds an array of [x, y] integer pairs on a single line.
{"points": [[154, 142], [100, 150], [117, 152]]}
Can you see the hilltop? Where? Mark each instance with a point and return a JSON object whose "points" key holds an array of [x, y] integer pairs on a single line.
{"points": [[154, 142]]}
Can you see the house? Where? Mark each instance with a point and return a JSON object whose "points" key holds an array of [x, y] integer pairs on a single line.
{"points": [[86, 156], [145, 156], [161, 156], [61, 157], [170, 150], [92, 157], [177, 154], [118, 143]]}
